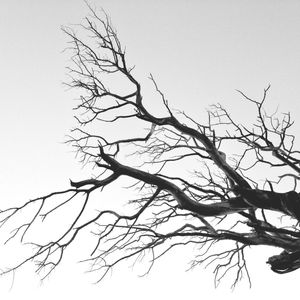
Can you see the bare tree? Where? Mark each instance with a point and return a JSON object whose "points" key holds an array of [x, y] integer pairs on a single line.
{"points": [[188, 188]]}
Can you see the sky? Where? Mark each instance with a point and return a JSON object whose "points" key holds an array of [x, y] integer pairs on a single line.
{"points": [[200, 53]]}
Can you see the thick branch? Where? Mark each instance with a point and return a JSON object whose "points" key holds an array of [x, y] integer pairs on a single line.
{"points": [[288, 203]]}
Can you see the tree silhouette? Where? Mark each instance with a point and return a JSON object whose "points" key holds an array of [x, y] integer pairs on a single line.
{"points": [[192, 182]]}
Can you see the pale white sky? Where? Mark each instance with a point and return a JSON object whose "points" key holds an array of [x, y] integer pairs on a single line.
{"points": [[199, 53]]}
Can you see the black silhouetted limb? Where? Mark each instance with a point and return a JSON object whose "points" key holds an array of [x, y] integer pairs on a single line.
{"points": [[219, 206]]}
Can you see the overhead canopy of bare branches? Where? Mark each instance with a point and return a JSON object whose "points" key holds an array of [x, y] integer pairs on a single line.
{"points": [[190, 189]]}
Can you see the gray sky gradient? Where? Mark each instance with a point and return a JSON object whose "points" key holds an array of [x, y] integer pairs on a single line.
{"points": [[200, 52]]}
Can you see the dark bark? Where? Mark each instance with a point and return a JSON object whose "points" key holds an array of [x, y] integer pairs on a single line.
{"points": [[219, 200]]}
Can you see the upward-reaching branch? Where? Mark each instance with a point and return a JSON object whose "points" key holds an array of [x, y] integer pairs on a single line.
{"points": [[219, 199]]}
